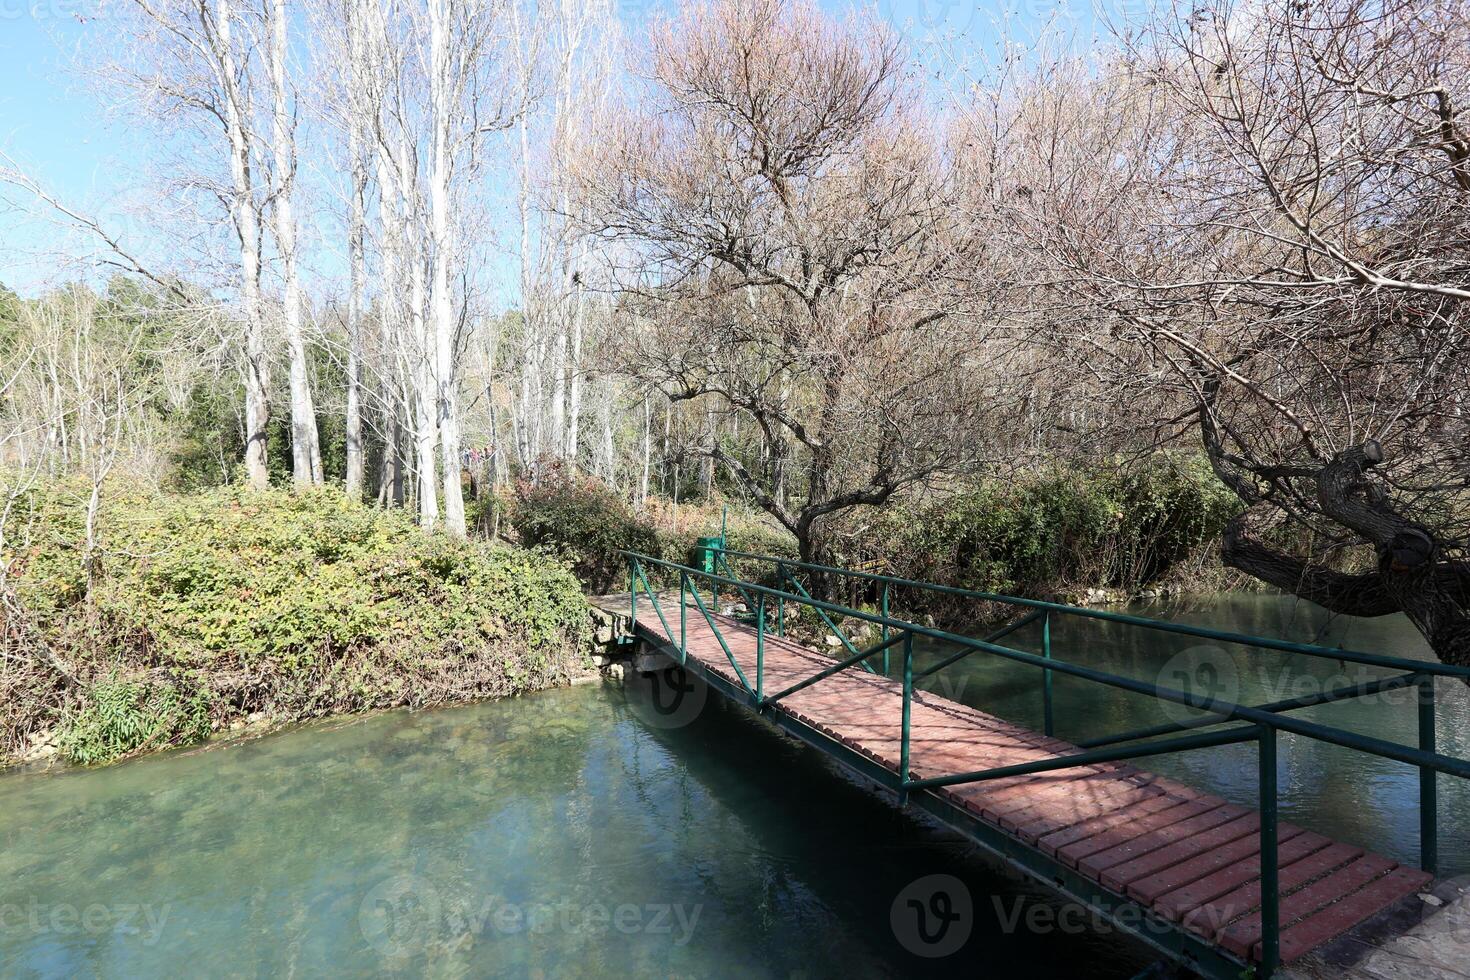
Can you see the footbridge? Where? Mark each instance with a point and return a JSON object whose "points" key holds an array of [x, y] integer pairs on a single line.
{"points": [[1219, 887]]}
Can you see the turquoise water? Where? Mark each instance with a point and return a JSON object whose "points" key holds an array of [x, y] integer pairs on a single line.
{"points": [[559, 835], [576, 833]]}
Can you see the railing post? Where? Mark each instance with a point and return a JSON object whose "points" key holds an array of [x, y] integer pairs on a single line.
{"points": [[885, 629], [683, 617], [781, 600], [633, 595], [760, 651], [1428, 785], [908, 700], [1046, 713], [1270, 878]]}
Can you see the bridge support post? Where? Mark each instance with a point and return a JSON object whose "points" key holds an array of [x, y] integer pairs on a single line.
{"points": [[760, 653], [1428, 785], [683, 617], [781, 600], [908, 700], [885, 629], [1047, 725], [1270, 872]]}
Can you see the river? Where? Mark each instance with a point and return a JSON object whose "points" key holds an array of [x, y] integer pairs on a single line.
{"points": [[575, 833]]}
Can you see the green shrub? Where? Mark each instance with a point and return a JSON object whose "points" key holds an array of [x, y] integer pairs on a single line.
{"points": [[291, 604], [583, 521], [117, 719], [1120, 528]]}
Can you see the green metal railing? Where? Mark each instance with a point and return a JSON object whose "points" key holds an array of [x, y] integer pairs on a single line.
{"points": [[1257, 723]]}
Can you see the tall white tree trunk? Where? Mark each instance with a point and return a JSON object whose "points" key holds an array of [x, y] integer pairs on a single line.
{"points": [[247, 231], [647, 450], [306, 456], [528, 411], [446, 368], [574, 409], [357, 250]]}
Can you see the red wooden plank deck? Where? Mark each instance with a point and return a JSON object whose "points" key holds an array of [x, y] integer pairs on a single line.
{"points": [[1191, 857]]}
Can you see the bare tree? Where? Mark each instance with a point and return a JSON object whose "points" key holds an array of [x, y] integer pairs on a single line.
{"points": [[798, 262], [1275, 235]]}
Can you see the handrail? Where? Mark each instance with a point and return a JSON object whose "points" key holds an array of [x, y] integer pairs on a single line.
{"points": [[1242, 639], [1262, 723]]}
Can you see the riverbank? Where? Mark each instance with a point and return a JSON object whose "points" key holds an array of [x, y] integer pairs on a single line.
{"points": [[183, 616]]}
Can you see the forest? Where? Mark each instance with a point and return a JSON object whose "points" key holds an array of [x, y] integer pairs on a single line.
{"points": [[1000, 313]]}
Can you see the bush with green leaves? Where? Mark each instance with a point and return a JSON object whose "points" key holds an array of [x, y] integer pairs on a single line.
{"points": [[116, 719], [292, 604], [584, 522], [1121, 528]]}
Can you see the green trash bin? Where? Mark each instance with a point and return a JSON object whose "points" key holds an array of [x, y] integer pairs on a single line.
{"points": [[704, 553]]}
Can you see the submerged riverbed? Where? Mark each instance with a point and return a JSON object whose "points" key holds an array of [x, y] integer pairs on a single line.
{"points": [[578, 833]]}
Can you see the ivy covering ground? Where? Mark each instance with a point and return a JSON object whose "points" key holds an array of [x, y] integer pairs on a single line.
{"points": [[206, 608]]}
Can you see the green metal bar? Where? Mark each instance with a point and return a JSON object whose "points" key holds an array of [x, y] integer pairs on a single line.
{"points": [[633, 595], [1322, 733], [760, 651], [852, 647], [1046, 717], [904, 773], [1245, 733], [836, 668], [1265, 643], [730, 570], [656, 606], [683, 617], [780, 604], [988, 638], [885, 628], [1428, 785], [715, 627], [1365, 689], [1270, 871]]}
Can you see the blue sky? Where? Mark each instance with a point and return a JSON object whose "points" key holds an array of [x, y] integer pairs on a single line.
{"points": [[53, 124]]}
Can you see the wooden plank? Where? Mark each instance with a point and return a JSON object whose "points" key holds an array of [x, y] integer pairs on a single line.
{"points": [[1238, 854], [1333, 920], [1241, 874], [1245, 933], [1206, 842]]}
